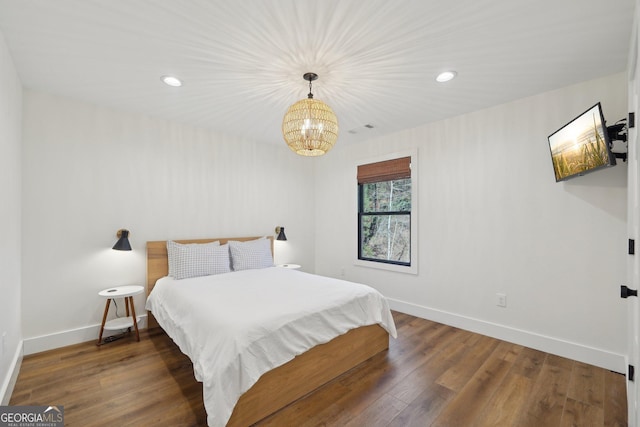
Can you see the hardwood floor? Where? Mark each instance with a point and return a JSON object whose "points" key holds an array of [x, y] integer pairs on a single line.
{"points": [[432, 375]]}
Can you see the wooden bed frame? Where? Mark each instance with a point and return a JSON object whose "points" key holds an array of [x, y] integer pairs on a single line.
{"points": [[296, 378]]}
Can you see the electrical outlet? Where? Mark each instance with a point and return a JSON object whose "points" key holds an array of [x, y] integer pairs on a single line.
{"points": [[343, 272], [501, 300]]}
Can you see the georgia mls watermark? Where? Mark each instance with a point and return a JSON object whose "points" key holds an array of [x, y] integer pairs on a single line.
{"points": [[31, 416]]}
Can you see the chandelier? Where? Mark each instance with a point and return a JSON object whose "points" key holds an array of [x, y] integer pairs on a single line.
{"points": [[310, 127]]}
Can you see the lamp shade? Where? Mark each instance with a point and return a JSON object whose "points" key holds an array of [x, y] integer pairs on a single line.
{"points": [[281, 235], [123, 242], [310, 127]]}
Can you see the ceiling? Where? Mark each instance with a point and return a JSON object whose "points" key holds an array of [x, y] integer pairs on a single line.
{"points": [[242, 61]]}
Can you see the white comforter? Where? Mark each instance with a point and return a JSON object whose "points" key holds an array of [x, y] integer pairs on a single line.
{"points": [[237, 326]]}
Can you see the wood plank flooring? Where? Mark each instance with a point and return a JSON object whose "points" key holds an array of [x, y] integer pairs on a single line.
{"points": [[432, 375]]}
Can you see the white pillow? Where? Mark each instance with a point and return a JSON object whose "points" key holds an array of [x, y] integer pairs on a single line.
{"points": [[196, 259], [251, 254]]}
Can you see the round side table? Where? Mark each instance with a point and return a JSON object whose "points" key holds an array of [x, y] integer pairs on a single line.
{"points": [[291, 266], [126, 292]]}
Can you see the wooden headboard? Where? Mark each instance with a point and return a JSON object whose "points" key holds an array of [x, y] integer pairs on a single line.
{"points": [[158, 264]]}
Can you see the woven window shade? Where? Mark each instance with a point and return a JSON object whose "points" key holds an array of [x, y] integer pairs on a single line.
{"points": [[385, 171]]}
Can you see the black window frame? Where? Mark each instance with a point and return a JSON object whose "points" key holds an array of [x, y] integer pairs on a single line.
{"points": [[362, 214]]}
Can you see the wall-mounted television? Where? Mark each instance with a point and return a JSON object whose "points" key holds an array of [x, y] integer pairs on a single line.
{"points": [[581, 146]]}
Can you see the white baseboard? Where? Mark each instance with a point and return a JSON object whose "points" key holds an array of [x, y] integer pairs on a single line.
{"points": [[70, 337], [9, 382], [593, 356]]}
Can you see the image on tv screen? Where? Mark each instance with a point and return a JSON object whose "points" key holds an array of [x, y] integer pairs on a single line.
{"points": [[581, 146]]}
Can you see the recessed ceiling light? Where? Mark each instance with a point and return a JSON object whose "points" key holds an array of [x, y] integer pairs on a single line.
{"points": [[446, 76], [172, 81]]}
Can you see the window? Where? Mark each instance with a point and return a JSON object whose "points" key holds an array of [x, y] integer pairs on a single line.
{"points": [[384, 212]]}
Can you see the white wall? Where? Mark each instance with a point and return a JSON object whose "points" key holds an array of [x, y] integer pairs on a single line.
{"points": [[493, 219], [10, 247], [88, 171]]}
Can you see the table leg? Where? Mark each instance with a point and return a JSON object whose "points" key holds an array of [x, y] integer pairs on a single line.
{"points": [[126, 304], [135, 319], [104, 320]]}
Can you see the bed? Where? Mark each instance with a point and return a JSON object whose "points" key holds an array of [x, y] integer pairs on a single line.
{"points": [[265, 375]]}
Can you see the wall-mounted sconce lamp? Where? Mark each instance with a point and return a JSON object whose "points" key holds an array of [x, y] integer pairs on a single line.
{"points": [[123, 240], [280, 233]]}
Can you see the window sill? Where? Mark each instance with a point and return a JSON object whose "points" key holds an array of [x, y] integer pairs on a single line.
{"points": [[388, 267]]}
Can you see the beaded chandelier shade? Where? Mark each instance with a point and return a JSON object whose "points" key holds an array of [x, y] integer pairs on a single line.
{"points": [[310, 127]]}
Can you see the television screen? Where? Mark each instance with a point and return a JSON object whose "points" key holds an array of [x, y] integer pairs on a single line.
{"points": [[581, 146]]}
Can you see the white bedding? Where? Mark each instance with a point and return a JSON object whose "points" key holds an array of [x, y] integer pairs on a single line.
{"points": [[237, 326]]}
